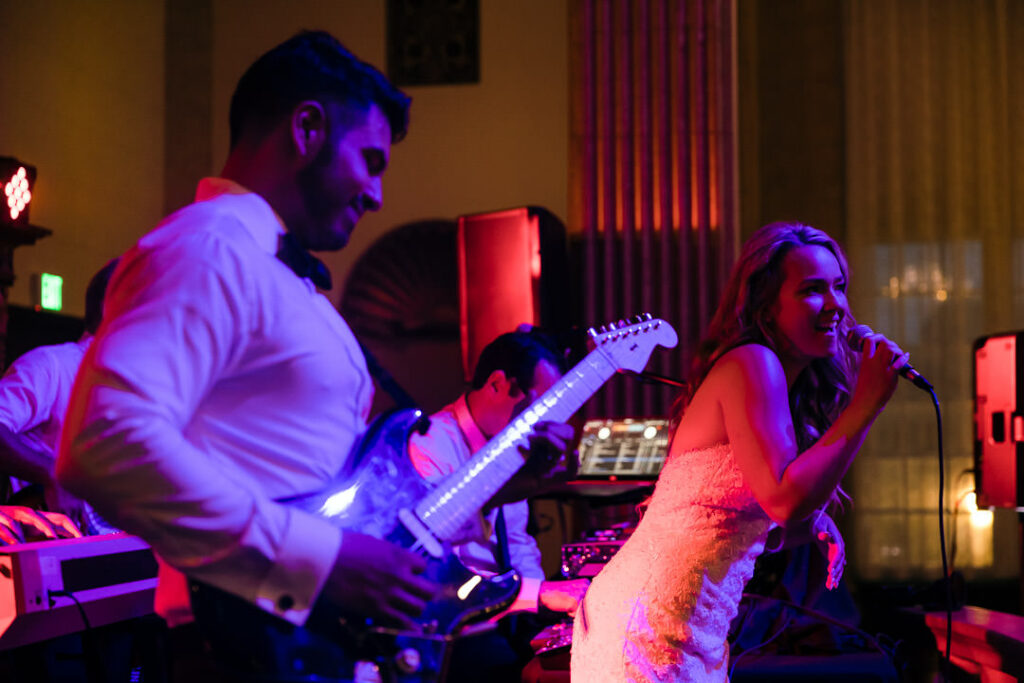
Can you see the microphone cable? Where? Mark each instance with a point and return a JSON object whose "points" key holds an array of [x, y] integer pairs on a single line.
{"points": [[947, 660]]}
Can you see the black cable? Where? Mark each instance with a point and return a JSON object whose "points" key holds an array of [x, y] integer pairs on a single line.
{"points": [[869, 639], [764, 643], [95, 669], [653, 378], [953, 519], [71, 596], [947, 663]]}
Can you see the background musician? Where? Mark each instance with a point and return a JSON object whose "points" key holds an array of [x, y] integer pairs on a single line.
{"points": [[511, 373]]}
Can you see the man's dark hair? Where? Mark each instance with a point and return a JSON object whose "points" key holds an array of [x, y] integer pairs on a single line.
{"points": [[94, 294], [517, 355], [312, 65]]}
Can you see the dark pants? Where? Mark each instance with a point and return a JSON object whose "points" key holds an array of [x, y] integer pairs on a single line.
{"points": [[249, 644], [496, 656]]}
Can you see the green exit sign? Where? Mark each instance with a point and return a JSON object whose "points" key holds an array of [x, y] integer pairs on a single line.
{"points": [[50, 288]]}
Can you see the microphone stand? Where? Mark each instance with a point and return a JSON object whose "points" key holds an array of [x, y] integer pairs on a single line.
{"points": [[653, 378]]}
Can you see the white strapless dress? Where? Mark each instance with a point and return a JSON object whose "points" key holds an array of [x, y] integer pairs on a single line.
{"points": [[660, 610]]}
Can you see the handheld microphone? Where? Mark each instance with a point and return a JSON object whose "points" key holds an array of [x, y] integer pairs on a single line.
{"points": [[855, 339]]}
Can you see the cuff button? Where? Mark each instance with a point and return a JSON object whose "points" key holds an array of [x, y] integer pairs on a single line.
{"points": [[285, 603]]}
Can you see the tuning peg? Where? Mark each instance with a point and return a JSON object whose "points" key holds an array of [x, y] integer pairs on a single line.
{"points": [[591, 332], [611, 326], [648, 316]]}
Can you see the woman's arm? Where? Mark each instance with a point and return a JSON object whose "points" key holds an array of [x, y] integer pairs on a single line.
{"points": [[751, 387]]}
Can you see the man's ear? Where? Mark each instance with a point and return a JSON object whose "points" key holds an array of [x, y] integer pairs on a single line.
{"points": [[309, 129], [502, 385]]}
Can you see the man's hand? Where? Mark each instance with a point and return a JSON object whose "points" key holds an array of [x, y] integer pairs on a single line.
{"points": [[60, 501], [832, 545], [548, 455], [16, 520], [549, 462], [377, 579], [563, 596]]}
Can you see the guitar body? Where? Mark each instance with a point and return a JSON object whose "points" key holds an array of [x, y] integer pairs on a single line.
{"points": [[381, 494], [369, 496]]}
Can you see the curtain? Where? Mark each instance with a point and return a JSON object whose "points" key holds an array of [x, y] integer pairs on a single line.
{"points": [[652, 172], [935, 231]]}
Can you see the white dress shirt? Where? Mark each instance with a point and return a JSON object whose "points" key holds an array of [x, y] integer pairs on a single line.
{"points": [[219, 381], [452, 440], [35, 390], [34, 394]]}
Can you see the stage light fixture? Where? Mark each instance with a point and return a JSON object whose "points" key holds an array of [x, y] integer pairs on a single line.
{"points": [[18, 180]]}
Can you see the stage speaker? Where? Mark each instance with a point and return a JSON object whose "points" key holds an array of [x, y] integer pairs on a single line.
{"points": [[513, 269], [999, 420]]}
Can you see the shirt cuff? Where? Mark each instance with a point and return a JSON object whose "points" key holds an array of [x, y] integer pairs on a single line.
{"points": [[529, 596], [305, 560]]}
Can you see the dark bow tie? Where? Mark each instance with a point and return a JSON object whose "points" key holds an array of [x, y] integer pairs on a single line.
{"points": [[302, 263]]}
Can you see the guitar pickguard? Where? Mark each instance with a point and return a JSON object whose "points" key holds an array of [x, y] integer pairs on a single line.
{"points": [[378, 483]]}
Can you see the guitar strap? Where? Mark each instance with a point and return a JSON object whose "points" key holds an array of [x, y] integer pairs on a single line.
{"points": [[501, 553], [402, 399], [386, 381]]}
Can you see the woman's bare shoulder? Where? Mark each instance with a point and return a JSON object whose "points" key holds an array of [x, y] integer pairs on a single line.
{"points": [[751, 361]]}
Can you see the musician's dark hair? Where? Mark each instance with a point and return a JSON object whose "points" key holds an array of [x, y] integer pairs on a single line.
{"points": [[312, 65], [517, 355], [94, 294], [745, 316]]}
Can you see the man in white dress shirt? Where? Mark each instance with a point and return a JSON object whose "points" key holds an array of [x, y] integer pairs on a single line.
{"points": [[512, 372], [221, 380], [34, 394]]}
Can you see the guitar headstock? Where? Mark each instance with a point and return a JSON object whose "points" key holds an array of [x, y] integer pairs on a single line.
{"points": [[629, 344]]}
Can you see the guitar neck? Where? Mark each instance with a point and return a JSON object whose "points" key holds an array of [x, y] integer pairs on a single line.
{"points": [[464, 492]]}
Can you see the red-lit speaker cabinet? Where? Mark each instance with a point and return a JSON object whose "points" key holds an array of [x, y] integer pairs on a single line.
{"points": [[999, 420], [512, 270]]}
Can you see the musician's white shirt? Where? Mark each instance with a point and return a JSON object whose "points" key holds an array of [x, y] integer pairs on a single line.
{"points": [[218, 382], [34, 394], [452, 440]]}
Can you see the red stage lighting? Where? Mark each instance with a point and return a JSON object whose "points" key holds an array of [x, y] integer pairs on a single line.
{"points": [[18, 180]]}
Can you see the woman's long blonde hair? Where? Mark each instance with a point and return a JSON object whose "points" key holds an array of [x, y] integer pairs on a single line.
{"points": [[745, 316]]}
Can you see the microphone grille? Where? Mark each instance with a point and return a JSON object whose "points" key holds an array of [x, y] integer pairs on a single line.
{"points": [[856, 334]]}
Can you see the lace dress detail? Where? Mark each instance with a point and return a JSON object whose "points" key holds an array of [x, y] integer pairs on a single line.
{"points": [[660, 610]]}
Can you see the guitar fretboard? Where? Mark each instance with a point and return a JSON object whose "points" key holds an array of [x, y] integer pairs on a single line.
{"points": [[463, 493]]}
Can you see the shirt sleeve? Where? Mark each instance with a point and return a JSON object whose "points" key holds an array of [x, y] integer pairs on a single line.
{"points": [[177, 319], [27, 391], [524, 556], [435, 454], [522, 547]]}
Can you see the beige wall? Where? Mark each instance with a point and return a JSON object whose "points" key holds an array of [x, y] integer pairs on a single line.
{"points": [[81, 98], [499, 143], [82, 88]]}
